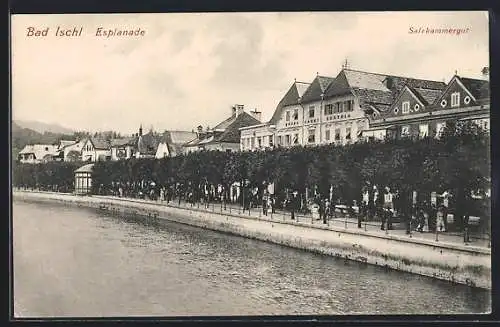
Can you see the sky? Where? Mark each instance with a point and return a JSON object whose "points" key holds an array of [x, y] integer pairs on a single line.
{"points": [[189, 69]]}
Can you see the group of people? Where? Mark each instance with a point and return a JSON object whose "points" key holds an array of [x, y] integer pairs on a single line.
{"points": [[377, 203], [387, 205]]}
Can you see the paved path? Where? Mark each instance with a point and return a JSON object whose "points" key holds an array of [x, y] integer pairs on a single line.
{"points": [[346, 222]]}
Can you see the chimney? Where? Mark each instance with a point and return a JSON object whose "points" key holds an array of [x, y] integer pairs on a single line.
{"points": [[140, 130], [256, 114], [237, 109]]}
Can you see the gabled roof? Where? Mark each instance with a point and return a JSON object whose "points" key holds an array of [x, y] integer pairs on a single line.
{"points": [[400, 82], [148, 143], [232, 133], [225, 123], [181, 137], [40, 150], [193, 142], [78, 146], [479, 88], [85, 169], [100, 144], [426, 96], [316, 89], [65, 143], [349, 79], [290, 98], [175, 140], [124, 141], [379, 99]]}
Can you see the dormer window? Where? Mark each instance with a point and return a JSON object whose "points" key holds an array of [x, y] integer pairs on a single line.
{"points": [[455, 99], [406, 107]]}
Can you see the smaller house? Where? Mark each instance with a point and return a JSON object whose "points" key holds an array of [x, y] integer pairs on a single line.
{"points": [[124, 148], [95, 149], [147, 145], [73, 151], [37, 153], [226, 135], [171, 143]]}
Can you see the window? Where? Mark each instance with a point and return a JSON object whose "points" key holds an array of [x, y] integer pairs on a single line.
{"points": [[406, 107], [423, 130], [329, 109], [296, 139], [287, 116], [341, 106], [405, 131], [311, 112], [416, 107], [467, 100], [259, 142], [444, 103], [396, 110], [337, 134], [327, 135], [287, 139], [312, 136], [280, 140], [440, 129], [349, 105], [455, 99], [271, 142], [348, 133], [296, 114], [336, 108]]}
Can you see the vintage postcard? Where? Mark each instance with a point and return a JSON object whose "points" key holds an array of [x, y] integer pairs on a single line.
{"points": [[248, 164]]}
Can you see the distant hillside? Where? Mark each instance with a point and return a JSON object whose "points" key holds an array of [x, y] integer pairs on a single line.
{"points": [[24, 136], [43, 127]]}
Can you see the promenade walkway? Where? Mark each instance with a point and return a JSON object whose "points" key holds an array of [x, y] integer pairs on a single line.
{"points": [[344, 222]]}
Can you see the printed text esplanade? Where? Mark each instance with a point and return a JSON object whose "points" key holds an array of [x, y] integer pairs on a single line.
{"points": [[359, 106]]}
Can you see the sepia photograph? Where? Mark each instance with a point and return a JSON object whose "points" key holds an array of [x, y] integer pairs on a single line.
{"points": [[250, 164]]}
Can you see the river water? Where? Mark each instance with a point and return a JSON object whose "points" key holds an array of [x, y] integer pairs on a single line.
{"points": [[78, 262]]}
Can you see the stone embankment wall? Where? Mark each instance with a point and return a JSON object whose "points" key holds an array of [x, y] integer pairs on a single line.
{"points": [[452, 262]]}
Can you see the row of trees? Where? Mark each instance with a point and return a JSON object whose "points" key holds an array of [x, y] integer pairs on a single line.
{"points": [[458, 162]]}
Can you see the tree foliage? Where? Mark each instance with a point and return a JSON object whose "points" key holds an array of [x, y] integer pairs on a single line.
{"points": [[459, 162]]}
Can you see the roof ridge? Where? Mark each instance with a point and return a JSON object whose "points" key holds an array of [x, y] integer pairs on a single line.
{"points": [[400, 76]]}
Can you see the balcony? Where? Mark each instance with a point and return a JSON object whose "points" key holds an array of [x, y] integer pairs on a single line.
{"points": [[312, 121], [292, 123]]}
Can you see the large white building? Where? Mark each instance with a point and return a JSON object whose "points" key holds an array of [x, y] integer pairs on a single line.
{"points": [[330, 110]]}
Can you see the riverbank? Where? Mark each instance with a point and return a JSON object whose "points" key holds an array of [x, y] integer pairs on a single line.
{"points": [[458, 263]]}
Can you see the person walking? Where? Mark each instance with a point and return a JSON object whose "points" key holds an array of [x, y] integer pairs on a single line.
{"points": [[272, 202], [322, 209], [388, 207], [379, 207], [265, 198], [293, 204], [326, 214]]}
